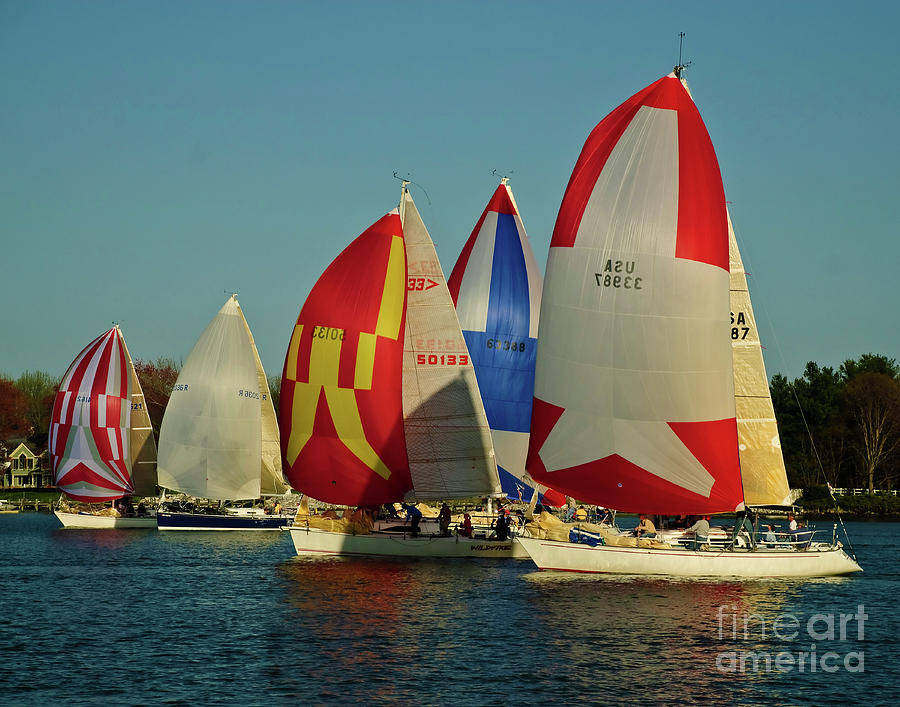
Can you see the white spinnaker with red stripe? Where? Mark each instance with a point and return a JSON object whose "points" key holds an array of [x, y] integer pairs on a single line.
{"points": [[634, 398]]}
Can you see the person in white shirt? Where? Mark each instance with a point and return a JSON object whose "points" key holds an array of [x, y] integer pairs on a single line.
{"points": [[701, 532]]}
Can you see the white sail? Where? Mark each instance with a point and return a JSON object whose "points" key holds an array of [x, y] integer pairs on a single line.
{"points": [[271, 479], [762, 464], [448, 440], [209, 444]]}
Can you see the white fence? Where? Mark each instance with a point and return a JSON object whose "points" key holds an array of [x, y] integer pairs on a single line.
{"points": [[861, 492]]}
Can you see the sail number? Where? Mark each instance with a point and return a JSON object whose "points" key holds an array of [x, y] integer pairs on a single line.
{"points": [[420, 283], [443, 360], [327, 332], [740, 331], [620, 275], [83, 399], [506, 345], [180, 386], [137, 406], [252, 394]]}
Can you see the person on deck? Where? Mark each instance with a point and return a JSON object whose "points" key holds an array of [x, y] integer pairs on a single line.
{"points": [[645, 528], [744, 522], [466, 527], [444, 520], [792, 523], [581, 514], [501, 526], [414, 516], [701, 532]]}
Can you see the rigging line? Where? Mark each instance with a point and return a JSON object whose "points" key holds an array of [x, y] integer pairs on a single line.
{"points": [[793, 388]]}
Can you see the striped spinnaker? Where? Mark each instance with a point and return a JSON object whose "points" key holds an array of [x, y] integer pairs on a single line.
{"points": [[89, 440]]}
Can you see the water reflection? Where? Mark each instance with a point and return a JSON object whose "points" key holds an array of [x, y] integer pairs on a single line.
{"points": [[667, 631], [107, 539], [380, 618]]}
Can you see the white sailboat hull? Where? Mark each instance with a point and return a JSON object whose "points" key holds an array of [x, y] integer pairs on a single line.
{"points": [[313, 542], [574, 557], [87, 520]]}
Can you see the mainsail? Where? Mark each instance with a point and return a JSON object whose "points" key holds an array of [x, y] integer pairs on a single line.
{"points": [[634, 394], [143, 445], [271, 480], [762, 464], [496, 287], [100, 428], [448, 439], [341, 412], [210, 442]]}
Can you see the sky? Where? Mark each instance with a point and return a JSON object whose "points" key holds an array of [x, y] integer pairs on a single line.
{"points": [[157, 156]]}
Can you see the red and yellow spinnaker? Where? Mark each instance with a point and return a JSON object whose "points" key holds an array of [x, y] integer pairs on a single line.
{"points": [[341, 413]]}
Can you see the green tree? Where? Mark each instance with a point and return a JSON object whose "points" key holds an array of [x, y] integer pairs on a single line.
{"points": [[275, 390], [811, 425], [157, 380], [870, 363]]}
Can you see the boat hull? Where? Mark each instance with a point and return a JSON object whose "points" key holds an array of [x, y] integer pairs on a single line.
{"points": [[209, 521], [88, 520], [313, 542], [575, 557]]}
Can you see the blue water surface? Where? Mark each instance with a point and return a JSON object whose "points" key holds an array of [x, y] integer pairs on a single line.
{"points": [[138, 617]]}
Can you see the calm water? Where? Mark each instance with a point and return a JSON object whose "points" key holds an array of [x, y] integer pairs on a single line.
{"points": [[140, 617]]}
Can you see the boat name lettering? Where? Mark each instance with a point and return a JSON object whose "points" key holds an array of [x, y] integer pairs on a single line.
{"points": [[443, 360], [249, 394], [612, 277], [496, 548], [506, 345], [741, 330], [327, 332], [180, 386]]}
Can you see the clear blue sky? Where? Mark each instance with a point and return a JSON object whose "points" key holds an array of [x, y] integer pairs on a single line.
{"points": [[158, 155]]}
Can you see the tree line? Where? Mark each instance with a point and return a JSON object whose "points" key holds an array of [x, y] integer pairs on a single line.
{"points": [[836, 426], [841, 427]]}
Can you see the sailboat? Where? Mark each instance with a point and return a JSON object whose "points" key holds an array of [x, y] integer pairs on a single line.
{"points": [[101, 440], [379, 397], [496, 287], [219, 436], [634, 403]]}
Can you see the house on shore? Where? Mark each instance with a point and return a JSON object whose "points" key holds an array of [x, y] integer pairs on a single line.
{"points": [[25, 466]]}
